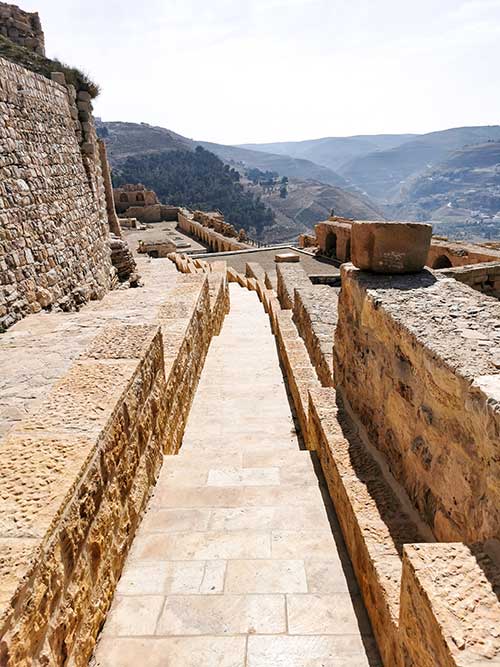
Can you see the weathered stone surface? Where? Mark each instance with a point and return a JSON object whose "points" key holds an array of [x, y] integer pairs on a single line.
{"points": [[289, 257], [390, 247], [483, 277], [333, 238], [290, 277], [450, 611], [80, 470], [53, 223], [415, 357], [373, 519], [79, 501], [315, 314], [211, 230], [23, 28]]}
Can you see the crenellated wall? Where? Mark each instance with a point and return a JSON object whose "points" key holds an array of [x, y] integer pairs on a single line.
{"points": [[53, 222]]}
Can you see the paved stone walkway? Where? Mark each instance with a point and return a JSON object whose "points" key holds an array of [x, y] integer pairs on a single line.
{"points": [[38, 350], [238, 562]]}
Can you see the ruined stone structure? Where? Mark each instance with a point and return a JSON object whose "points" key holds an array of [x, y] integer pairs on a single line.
{"points": [[212, 230], [236, 467], [54, 227], [23, 28], [474, 265], [133, 195], [136, 201]]}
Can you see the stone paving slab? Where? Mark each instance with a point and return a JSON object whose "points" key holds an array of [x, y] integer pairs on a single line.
{"points": [[38, 350], [239, 560]]}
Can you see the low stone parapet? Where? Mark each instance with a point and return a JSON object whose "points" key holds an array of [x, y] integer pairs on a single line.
{"points": [[315, 314], [373, 519], [483, 277], [79, 470], [450, 613], [418, 360], [199, 229], [77, 474], [290, 277]]}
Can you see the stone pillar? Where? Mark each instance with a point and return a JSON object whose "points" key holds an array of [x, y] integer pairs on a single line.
{"points": [[114, 223]]}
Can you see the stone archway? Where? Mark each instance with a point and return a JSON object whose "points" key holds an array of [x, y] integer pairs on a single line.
{"points": [[331, 245], [348, 250], [442, 262]]}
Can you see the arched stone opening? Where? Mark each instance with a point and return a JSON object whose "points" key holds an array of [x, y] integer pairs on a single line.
{"points": [[442, 262], [348, 250], [331, 245], [124, 198], [139, 196]]}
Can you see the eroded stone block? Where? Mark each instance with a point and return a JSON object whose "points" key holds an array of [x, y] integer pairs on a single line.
{"points": [[390, 247]]}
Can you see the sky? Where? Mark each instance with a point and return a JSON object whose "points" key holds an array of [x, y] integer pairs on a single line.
{"points": [[240, 71]]}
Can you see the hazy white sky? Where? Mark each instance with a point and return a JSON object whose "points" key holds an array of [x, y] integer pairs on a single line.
{"points": [[235, 71]]}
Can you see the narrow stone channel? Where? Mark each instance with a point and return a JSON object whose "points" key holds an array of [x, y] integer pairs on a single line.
{"points": [[238, 560]]}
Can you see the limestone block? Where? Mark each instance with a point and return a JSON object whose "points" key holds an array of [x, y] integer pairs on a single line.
{"points": [[390, 247], [374, 522], [450, 612], [286, 257], [58, 77]]}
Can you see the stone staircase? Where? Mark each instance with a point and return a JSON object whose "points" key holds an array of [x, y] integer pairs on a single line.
{"points": [[239, 559]]}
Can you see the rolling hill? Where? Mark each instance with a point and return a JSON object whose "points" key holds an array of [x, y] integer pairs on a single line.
{"points": [[313, 191], [461, 193], [127, 139], [284, 165], [333, 152], [309, 202], [383, 174]]}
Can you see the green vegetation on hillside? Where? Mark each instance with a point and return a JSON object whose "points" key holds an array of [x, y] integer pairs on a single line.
{"points": [[41, 65], [198, 180]]}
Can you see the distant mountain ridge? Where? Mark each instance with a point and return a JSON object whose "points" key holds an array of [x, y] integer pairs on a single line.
{"points": [[333, 152], [284, 165], [464, 187], [314, 189], [382, 174], [449, 176]]}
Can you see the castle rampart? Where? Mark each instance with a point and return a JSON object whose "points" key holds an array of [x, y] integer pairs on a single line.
{"points": [[54, 226]]}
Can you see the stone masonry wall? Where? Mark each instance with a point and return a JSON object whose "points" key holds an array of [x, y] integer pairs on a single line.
{"points": [[418, 359], [216, 241], [53, 222], [483, 277], [79, 470]]}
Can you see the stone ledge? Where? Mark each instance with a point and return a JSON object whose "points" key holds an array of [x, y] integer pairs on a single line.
{"points": [[315, 314], [66, 526], [299, 371], [373, 521], [290, 277], [450, 611], [415, 357]]}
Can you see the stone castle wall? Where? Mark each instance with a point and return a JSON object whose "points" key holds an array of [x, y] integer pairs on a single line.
{"points": [[23, 28], [417, 359], [53, 222]]}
